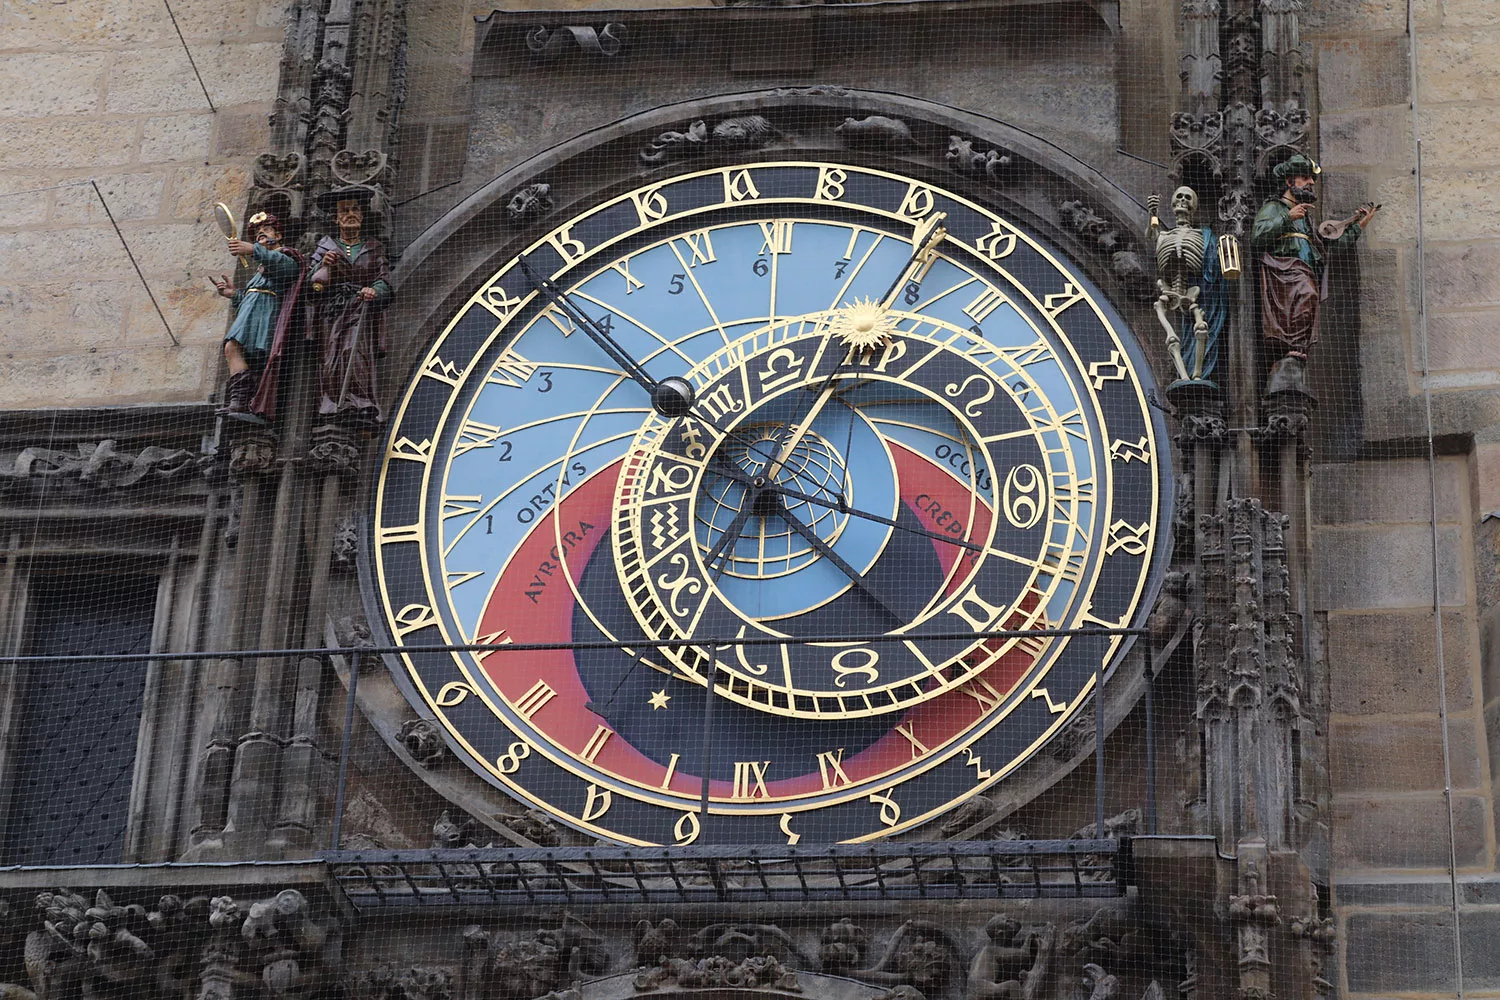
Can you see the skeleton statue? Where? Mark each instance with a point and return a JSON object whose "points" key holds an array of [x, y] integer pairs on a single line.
{"points": [[1191, 304]]}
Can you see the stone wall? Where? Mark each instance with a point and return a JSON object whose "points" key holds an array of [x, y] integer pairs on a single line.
{"points": [[102, 89]]}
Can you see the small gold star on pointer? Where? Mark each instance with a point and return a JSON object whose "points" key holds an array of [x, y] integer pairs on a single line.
{"points": [[659, 699]]}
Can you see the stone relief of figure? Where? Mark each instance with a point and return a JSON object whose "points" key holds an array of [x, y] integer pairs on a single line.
{"points": [[265, 309], [350, 293], [1013, 965], [1192, 301], [1291, 251], [919, 954]]}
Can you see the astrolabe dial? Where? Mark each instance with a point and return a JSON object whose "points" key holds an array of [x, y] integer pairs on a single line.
{"points": [[758, 484], [736, 476]]}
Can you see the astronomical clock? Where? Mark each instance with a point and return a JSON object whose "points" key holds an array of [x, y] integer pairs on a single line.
{"points": [[792, 501]]}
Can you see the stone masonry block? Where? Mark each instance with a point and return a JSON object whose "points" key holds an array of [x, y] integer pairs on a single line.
{"points": [[137, 375], [1408, 831], [53, 255], [1459, 65], [177, 137], [1399, 490], [243, 134], [21, 203], [1362, 73], [1486, 476], [242, 74], [1358, 17], [1376, 755], [1481, 928], [197, 313], [1388, 566], [66, 143], [1470, 13], [1463, 275], [61, 316], [1359, 138], [130, 197], [1383, 662], [38, 84], [153, 81], [1463, 341], [1399, 952], [1460, 135], [195, 189], [47, 24]]}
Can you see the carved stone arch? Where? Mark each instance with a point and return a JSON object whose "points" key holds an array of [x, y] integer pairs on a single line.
{"points": [[1076, 208]]}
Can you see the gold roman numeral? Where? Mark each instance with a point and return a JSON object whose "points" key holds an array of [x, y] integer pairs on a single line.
{"points": [[533, 700], [831, 767], [908, 729], [778, 237], [591, 749], [750, 779]]}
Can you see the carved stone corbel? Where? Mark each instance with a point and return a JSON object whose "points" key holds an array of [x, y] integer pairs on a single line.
{"points": [[549, 43]]}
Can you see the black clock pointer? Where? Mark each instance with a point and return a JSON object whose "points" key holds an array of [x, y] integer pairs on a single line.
{"points": [[826, 551], [671, 397], [844, 508]]}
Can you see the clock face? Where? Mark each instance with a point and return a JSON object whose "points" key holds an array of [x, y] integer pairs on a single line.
{"points": [[903, 424]]}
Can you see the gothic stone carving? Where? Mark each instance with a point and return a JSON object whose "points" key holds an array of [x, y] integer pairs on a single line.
{"points": [[98, 466], [993, 164], [390, 982], [529, 203], [1253, 913], [750, 973], [1014, 964], [747, 132], [1099, 233], [842, 946], [874, 132], [549, 43], [500, 968], [919, 954], [423, 741]]}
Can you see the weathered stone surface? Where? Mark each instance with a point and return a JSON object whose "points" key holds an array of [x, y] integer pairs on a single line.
{"points": [[1459, 65], [1470, 13], [241, 134], [1362, 73], [1463, 275], [54, 254], [66, 143], [1481, 927], [48, 24], [1460, 135], [1386, 566], [1349, 17], [176, 137], [1396, 490], [1399, 951], [21, 201], [44, 83], [129, 196], [153, 81], [1365, 137], [1400, 755], [196, 188], [139, 375], [1385, 662], [1463, 341], [1409, 831]]}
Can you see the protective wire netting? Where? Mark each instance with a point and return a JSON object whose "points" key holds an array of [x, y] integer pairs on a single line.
{"points": [[915, 500]]}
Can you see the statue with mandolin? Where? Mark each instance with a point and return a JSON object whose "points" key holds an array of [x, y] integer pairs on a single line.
{"points": [[1291, 253]]}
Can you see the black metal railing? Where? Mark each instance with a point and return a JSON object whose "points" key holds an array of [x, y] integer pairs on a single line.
{"points": [[1015, 869]]}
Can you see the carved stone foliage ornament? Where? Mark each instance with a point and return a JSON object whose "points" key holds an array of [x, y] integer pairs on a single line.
{"points": [[94, 467], [502, 967]]}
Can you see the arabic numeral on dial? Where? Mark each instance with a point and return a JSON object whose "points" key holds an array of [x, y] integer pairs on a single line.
{"points": [[1024, 496], [760, 267], [839, 267], [676, 285], [546, 377], [867, 668], [510, 761], [912, 294], [505, 450], [489, 524]]}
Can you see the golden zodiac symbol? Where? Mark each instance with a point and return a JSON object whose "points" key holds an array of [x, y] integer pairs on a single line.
{"points": [[972, 406], [867, 668], [682, 582]]}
